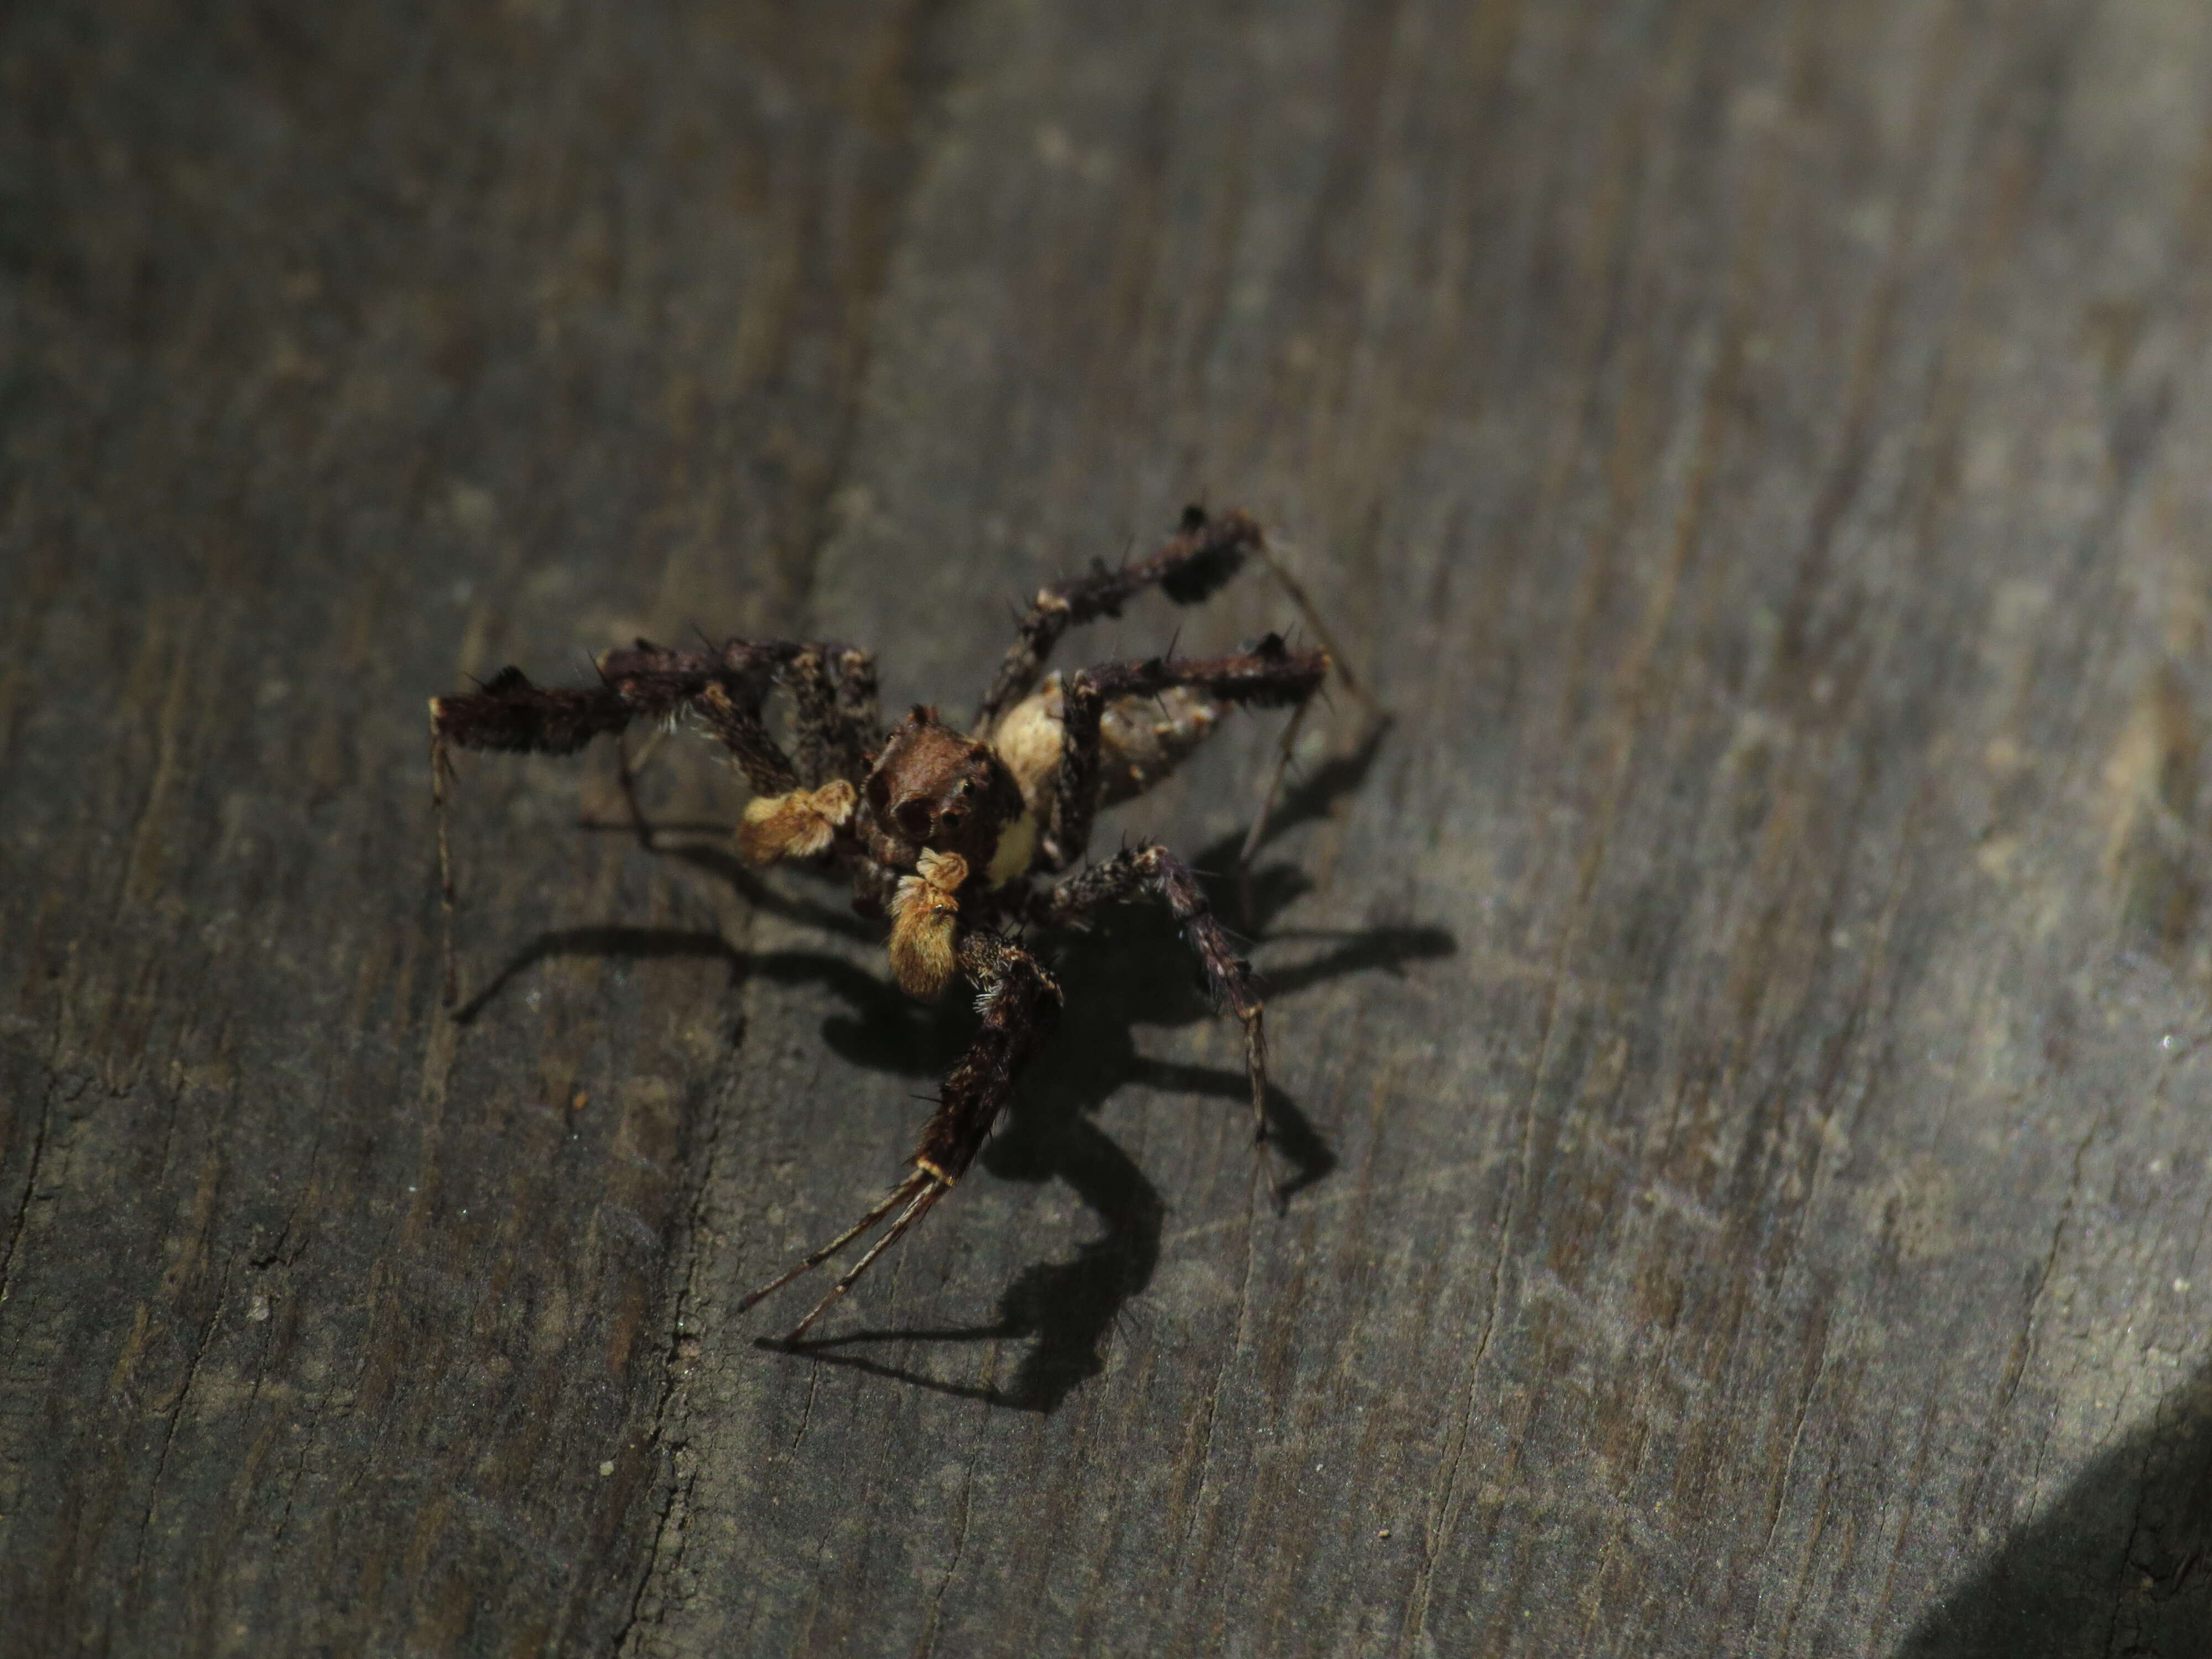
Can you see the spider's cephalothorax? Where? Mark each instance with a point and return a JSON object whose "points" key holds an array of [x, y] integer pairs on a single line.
{"points": [[942, 831], [937, 790]]}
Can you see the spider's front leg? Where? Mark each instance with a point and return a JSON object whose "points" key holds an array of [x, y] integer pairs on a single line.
{"points": [[723, 688], [835, 731], [1152, 871], [836, 722], [1203, 554], [1020, 1001]]}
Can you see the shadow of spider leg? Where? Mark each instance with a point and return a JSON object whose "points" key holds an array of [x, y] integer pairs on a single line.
{"points": [[1020, 1001], [834, 721], [1152, 871], [511, 715]]}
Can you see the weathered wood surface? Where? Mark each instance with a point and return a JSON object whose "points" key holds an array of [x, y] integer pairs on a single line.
{"points": [[1750, 1013]]}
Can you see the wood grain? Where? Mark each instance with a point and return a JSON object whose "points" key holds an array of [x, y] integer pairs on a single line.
{"points": [[1745, 1024]]}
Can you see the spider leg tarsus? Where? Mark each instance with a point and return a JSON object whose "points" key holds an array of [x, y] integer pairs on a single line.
{"points": [[814, 1259], [1304, 601], [1256, 1066], [1259, 830], [933, 1188]]}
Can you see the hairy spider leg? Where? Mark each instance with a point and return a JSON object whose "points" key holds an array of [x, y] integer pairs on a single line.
{"points": [[836, 723], [813, 1259], [1019, 1002], [1276, 774], [1270, 675], [723, 688], [1269, 555], [1151, 872], [628, 770], [1190, 567], [859, 705]]}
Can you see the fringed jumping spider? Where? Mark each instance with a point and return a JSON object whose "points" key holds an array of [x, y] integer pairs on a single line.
{"points": [[942, 832]]}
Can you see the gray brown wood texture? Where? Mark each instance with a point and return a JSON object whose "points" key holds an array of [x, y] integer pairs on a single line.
{"points": [[1748, 1024]]}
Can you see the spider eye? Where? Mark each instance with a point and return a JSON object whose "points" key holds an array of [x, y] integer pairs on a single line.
{"points": [[952, 818], [913, 817]]}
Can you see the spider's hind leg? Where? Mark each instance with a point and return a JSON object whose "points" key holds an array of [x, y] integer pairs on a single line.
{"points": [[1020, 1001], [1152, 871]]}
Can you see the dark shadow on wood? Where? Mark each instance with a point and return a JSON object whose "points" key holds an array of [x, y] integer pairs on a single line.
{"points": [[2120, 1568], [1063, 1308], [1130, 968], [831, 918], [1248, 898], [628, 944]]}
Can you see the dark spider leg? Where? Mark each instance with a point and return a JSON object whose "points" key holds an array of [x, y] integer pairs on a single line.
{"points": [[1019, 1003], [1275, 775], [1307, 608], [860, 705], [627, 773], [1268, 677], [723, 689], [510, 715], [818, 734], [836, 722], [1152, 871], [833, 689], [1201, 556], [441, 769]]}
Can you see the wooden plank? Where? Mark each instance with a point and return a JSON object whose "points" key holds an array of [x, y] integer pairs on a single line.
{"points": [[1747, 1017]]}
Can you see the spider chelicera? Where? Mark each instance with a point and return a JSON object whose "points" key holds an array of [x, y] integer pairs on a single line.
{"points": [[944, 831]]}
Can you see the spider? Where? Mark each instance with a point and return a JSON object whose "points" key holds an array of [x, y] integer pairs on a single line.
{"points": [[944, 831]]}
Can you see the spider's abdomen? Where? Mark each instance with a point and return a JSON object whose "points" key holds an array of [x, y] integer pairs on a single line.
{"points": [[1140, 741]]}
